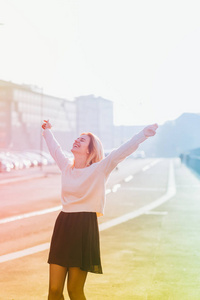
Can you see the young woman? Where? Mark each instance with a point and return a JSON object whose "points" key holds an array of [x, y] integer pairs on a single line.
{"points": [[75, 247]]}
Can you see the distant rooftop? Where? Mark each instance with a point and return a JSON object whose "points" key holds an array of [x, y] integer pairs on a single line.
{"points": [[30, 87]]}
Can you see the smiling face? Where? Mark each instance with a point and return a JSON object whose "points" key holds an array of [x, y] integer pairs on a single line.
{"points": [[81, 144]]}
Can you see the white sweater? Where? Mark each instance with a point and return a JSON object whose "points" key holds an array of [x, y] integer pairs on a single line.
{"points": [[84, 189]]}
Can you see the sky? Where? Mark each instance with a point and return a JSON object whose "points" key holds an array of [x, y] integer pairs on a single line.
{"points": [[142, 55]]}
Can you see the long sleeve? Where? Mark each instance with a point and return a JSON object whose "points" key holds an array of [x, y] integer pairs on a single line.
{"points": [[119, 154], [55, 149]]}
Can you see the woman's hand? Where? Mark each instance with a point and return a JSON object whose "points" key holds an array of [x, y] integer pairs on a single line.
{"points": [[46, 124], [150, 130]]}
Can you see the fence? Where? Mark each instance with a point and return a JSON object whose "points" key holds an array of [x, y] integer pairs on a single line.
{"points": [[192, 159]]}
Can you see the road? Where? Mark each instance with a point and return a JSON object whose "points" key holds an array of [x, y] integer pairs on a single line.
{"points": [[149, 205]]}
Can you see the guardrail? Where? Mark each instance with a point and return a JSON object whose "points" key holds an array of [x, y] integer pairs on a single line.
{"points": [[191, 159]]}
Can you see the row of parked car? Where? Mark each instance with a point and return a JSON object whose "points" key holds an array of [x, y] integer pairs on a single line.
{"points": [[15, 160]]}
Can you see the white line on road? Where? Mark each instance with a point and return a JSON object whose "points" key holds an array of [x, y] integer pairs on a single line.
{"points": [[31, 214], [151, 164], [108, 191], [24, 252], [56, 208], [116, 187], [132, 188], [145, 168], [171, 192], [36, 213], [191, 186], [129, 178], [161, 213]]}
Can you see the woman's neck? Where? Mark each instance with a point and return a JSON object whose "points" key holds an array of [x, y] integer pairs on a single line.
{"points": [[79, 163]]}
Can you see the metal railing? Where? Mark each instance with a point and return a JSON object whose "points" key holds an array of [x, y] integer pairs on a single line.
{"points": [[191, 159]]}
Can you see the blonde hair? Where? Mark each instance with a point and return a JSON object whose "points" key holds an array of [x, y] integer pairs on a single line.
{"points": [[95, 149]]}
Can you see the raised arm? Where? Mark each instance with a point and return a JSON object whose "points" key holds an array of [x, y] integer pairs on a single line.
{"points": [[53, 146], [119, 154]]}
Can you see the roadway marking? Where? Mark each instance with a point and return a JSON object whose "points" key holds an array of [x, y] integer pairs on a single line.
{"points": [[143, 189], [159, 213], [171, 192], [151, 164], [24, 252], [188, 186], [31, 214], [129, 178], [36, 213], [108, 191], [116, 187], [56, 208], [145, 168]]}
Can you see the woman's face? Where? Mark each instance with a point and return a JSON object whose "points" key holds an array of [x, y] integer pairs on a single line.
{"points": [[81, 144]]}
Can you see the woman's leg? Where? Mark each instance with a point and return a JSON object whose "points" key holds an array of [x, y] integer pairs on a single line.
{"points": [[75, 283], [57, 275]]}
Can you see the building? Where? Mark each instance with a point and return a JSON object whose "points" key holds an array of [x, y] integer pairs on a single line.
{"points": [[95, 114], [22, 111]]}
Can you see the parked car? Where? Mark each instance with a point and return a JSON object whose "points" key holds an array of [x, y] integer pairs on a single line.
{"points": [[18, 162], [46, 155], [6, 164], [23, 159], [36, 159]]}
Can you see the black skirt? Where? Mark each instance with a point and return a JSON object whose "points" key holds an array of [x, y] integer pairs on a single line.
{"points": [[75, 241]]}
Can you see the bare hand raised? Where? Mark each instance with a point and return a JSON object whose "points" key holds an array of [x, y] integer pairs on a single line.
{"points": [[46, 124], [150, 130]]}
